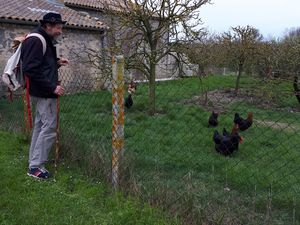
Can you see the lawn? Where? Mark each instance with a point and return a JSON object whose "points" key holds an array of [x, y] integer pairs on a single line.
{"points": [[69, 198], [170, 157]]}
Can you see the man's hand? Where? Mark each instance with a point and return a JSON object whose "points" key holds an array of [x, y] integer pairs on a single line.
{"points": [[62, 62], [59, 90]]}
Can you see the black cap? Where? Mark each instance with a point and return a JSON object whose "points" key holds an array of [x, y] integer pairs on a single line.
{"points": [[53, 18]]}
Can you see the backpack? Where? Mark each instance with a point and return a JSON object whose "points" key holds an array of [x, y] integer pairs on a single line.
{"points": [[13, 76]]}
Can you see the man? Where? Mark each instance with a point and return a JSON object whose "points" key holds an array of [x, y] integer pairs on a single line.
{"points": [[41, 70]]}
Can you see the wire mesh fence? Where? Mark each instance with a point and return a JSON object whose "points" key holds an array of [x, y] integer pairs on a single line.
{"points": [[173, 159], [178, 152], [12, 116]]}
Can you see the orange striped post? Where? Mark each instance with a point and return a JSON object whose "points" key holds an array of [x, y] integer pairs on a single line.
{"points": [[118, 117]]}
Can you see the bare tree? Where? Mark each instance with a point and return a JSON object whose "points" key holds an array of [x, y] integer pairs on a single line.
{"points": [[152, 29], [266, 61], [202, 53], [240, 45]]}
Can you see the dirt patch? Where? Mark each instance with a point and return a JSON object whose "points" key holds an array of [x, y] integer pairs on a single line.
{"points": [[219, 100]]}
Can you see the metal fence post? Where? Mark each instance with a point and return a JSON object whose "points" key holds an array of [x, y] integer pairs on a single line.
{"points": [[118, 117]]}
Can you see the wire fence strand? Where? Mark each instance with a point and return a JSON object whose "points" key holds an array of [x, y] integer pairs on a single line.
{"points": [[169, 159]]}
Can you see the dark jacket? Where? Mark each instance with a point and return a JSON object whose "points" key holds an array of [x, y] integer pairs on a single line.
{"points": [[42, 70]]}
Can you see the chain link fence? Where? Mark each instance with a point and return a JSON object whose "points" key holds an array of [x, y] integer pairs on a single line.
{"points": [[169, 159]]}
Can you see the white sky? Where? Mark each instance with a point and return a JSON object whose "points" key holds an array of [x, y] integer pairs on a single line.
{"points": [[271, 17]]}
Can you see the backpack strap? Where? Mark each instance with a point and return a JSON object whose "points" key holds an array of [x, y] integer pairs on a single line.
{"points": [[41, 38], [27, 96]]}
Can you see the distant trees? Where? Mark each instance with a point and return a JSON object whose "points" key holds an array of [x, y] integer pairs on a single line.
{"points": [[244, 49], [201, 53], [267, 59], [231, 49], [239, 46]]}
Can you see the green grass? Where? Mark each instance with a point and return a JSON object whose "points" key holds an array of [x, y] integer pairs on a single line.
{"points": [[12, 114], [68, 199], [171, 157]]}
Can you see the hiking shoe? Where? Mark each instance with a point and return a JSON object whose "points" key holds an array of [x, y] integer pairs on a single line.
{"points": [[38, 173], [44, 170]]}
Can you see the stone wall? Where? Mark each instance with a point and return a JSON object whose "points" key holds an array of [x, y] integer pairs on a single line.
{"points": [[79, 73]]}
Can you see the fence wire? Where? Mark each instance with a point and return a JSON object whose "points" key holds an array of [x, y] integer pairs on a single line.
{"points": [[170, 160]]}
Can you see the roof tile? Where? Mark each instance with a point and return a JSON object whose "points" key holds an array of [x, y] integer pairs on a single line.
{"points": [[94, 4], [35, 9]]}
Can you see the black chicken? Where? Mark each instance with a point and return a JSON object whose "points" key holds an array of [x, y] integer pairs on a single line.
{"points": [[243, 124], [213, 119], [227, 143], [225, 132], [128, 102]]}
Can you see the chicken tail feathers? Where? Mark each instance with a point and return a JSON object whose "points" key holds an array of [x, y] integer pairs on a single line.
{"points": [[217, 137]]}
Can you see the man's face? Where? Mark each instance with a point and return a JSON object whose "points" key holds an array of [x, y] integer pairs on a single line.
{"points": [[54, 30]]}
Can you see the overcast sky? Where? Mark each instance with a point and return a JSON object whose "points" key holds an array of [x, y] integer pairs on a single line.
{"points": [[271, 17]]}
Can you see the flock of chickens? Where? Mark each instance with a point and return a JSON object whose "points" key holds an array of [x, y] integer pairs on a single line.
{"points": [[227, 143]]}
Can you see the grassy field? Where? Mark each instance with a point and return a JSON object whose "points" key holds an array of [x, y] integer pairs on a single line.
{"points": [[171, 158], [68, 199]]}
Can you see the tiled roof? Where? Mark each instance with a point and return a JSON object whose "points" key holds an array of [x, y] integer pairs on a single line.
{"points": [[33, 11], [95, 4]]}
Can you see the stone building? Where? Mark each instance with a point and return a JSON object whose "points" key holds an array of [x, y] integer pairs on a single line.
{"points": [[19, 17], [96, 9]]}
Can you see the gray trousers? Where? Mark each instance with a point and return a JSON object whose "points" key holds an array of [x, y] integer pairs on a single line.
{"points": [[44, 131]]}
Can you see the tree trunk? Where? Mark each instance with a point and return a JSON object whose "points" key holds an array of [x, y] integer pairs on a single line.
{"points": [[201, 72], [296, 88], [152, 89], [237, 84], [204, 91]]}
